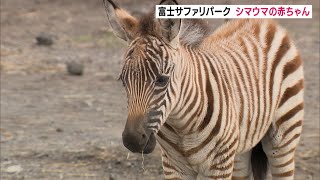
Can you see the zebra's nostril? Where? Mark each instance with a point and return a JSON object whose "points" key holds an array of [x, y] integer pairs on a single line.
{"points": [[144, 136]]}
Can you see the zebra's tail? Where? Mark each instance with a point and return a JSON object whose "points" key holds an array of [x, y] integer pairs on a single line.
{"points": [[259, 162]]}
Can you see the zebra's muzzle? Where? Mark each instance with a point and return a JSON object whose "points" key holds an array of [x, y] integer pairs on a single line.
{"points": [[139, 141]]}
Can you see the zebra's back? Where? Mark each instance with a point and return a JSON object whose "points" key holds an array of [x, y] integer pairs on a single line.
{"points": [[261, 69]]}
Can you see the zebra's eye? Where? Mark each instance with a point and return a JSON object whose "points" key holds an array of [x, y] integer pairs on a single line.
{"points": [[162, 80]]}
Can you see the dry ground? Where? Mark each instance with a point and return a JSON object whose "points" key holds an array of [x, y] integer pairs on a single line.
{"points": [[56, 126]]}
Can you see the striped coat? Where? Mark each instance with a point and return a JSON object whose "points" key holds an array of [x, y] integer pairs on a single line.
{"points": [[220, 104]]}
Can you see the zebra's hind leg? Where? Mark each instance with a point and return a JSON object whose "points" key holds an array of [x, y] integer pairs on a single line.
{"points": [[242, 167], [280, 144], [283, 135]]}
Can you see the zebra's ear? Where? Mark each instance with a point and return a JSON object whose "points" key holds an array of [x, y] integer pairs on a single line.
{"points": [[169, 27], [123, 24]]}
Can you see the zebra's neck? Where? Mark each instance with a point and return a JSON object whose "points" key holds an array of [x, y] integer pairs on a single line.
{"points": [[195, 106]]}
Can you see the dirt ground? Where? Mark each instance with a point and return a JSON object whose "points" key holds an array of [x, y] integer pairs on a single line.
{"points": [[57, 126]]}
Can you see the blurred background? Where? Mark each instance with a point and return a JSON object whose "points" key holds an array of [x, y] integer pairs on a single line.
{"points": [[62, 108]]}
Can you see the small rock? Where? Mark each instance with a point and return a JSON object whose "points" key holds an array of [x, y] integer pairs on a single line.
{"points": [[14, 169], [59, 130], [44, 40], [75, 68], [118, 162]]}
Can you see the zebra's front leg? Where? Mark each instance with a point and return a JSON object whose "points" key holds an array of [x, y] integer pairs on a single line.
{"points": [[220, 168], [171, 172], [218, 172], [242, 167]]}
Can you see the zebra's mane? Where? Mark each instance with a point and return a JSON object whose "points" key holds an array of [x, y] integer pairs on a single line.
{"points": [[193, 31]]}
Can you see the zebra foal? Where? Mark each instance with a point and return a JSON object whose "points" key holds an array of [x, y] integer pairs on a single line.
{"points": [[221, 105]]}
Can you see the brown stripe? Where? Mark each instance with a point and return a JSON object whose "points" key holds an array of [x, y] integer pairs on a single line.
{"points": [[188, 84], [284, 164], [175, 146], [241, 80], [292, 66], [167, 173], [223, 139], [270, 36], [225, 82], [224, 93], [213, 133], [217, 126], [226, 85], [249, 93], [284, 47], [258, 117], [227, 149], [223, 168], [165, 164], [297, 124], [215, 166], [256, 30], [172, 88], [286, 153], [210, 100], [196, 99], [287, 143], [235, 169], [223, 176], [290, 92], [189, 109], [168, 127], [238, 88], [244, 90], [289, 114], [245, 50], [201, 86], [240, 178], [183, 84], [225, 159], [243, 46], [256, 59], [285, 174]]}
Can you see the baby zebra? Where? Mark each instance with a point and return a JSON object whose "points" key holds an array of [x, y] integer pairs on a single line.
{"points": [[221, 105]]}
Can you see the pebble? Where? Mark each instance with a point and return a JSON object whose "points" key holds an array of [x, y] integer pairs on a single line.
{"points": [[59, 130], [44, 40], [75, 68], [14, 169], [118, 162]]}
